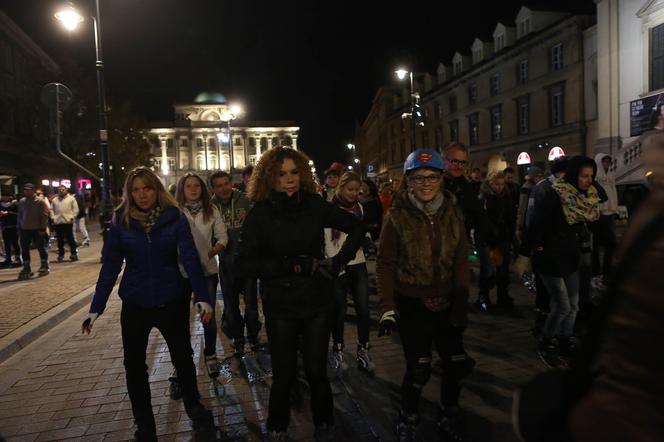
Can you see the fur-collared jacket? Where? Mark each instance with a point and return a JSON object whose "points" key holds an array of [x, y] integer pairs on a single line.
{"points": [[424, 257]]}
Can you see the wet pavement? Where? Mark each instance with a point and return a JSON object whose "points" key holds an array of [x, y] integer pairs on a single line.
{"points": [[67, 386]]}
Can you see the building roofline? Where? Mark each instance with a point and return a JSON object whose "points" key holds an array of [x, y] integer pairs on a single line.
{"points": [[24, 40]]}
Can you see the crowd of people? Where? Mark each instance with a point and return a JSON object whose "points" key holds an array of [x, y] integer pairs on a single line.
{"points": [[304, 248]]}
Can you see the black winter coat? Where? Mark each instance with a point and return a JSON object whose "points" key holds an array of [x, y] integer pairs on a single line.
{"points": [[499, 215], [282, 228]]}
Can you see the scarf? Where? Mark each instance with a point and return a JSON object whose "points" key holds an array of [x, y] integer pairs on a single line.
{"points": [[430, 208], [147, 218], [577, 206], [194, 208], [349, 206]]}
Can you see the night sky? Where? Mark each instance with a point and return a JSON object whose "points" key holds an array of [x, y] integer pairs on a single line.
{"points": [[316, 62]]}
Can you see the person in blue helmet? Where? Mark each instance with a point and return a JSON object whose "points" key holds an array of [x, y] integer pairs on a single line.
{"points": [[423, 279]]}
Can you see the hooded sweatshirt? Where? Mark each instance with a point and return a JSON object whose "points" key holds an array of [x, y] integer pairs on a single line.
{"points": [[608, 182]]}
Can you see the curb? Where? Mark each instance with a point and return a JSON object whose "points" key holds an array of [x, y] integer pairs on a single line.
{"points": [[29, 332]]}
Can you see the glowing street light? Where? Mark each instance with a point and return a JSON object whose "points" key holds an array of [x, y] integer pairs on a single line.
{"points": [[69, 17], [401, 74]]}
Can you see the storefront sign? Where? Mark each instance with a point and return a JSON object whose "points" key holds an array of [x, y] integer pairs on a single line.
{"points": [[555, 153], [643, 114], [523, 159]]}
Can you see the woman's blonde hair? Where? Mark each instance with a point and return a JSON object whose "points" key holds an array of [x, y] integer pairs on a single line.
{"points": [[164, 199], [490, 179], [266, 172], [205, 195], [348, 177]]}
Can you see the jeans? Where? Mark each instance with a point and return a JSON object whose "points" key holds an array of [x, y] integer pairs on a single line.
{"points": [[62, 232], [172, 320], [282, 335], [80, 226], [27, 237], [356, 278], [489, 276], [209, 329], [420, 328], [231, 286], [564, 304]]}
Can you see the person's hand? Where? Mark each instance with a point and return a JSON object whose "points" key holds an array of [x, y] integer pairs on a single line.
{"points": [[86, 327], [496, 257], [388, 322], [520, 265], [205, 311], [329, 268], [211, 253]]}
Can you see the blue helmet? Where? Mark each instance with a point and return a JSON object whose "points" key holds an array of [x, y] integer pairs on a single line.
{"points": [[421, 158]]}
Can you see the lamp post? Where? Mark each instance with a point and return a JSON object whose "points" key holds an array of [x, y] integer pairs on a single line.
{"points": [[234, 112], [401, 74], [71, 18], [356, 160]]}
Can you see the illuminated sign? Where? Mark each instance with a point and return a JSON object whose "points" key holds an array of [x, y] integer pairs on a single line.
{"points": [[66, 183], [84, 183], [46, 182], [523, 159], [555, 153]]}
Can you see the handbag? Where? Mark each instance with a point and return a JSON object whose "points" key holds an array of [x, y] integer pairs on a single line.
{"points": [[540, 409]]}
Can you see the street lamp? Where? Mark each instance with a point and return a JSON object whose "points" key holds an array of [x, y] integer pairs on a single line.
{"points": [[401, 74], [71, 18], [235, 110]]}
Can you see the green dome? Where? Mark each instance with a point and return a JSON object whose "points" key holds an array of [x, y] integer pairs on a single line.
{"points": [[210, 98]]}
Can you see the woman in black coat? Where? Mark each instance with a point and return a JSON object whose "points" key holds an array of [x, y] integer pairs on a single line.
{"points": [[281, 243]]}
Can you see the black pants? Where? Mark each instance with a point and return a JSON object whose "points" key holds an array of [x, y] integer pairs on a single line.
{"points": [[605, 238], [10, 238], [172, 320], [355, 279], [283, 338], [27, 237], [421, 328], [62, 232], [232, 322]]}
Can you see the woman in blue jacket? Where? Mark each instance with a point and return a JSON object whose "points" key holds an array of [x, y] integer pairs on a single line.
{"points": [[150, 233]]}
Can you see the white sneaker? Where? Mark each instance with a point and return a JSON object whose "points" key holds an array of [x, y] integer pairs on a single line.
{"points": [[338, 359]]}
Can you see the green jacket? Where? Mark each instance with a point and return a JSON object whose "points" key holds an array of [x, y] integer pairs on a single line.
{"points": [[233, 212]]}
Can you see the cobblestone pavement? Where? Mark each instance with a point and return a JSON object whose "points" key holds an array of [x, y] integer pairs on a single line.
{"points": [[67, 386], [23, 301]]}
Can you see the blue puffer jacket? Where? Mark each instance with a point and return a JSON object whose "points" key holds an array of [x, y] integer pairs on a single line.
{"points": [[151, 277]]}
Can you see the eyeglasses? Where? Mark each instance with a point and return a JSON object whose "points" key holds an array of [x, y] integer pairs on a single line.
{"points": [[457, 162], [420, 179]]}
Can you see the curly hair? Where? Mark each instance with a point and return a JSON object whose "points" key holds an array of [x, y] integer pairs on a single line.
{"points": [[266, 172]]}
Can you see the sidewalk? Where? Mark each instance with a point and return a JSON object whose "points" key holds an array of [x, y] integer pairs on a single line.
{"points": [[67, 386], [32, 307]]}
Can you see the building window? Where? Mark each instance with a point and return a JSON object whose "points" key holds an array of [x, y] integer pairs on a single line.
{"points": [[199, 142], [438, 139], [472, 94], [453, 103], [288, 141], [171, 163], [524, 27], [473, 129], [263, 144], [522, 71], [184, 160], [496, 123], [212, 143], [557, 57], [523, 114], [499, 42], [184, 142], [437, 111], [494, 83], [458, 68], [169, 143], [454, 130], [238, 141], [657, 57], [477, 56], [557, 104]]}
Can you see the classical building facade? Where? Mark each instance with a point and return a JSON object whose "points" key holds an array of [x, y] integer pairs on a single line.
{"points": [[530, 89], [206, 137], [630, 48]]}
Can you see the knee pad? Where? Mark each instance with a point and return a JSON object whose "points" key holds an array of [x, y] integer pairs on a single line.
{"points": [[420, 373]]}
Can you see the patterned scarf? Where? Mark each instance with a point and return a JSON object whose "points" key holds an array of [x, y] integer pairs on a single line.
{"points": [[577, 207], [430, 208], [349, 206], [146, 218], [194, 208]]}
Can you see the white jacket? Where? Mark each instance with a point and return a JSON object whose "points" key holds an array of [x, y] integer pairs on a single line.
{"points": [[65, 209], [332, 247], [608, 182], [203, 233]]}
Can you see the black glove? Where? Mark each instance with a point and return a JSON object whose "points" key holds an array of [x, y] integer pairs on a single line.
{"points": [[388, 322], [301, 265], [329, 268]]}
